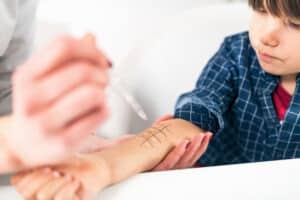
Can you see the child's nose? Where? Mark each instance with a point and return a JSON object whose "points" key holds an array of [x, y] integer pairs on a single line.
{"points": [[270, 33], [269, 40]]}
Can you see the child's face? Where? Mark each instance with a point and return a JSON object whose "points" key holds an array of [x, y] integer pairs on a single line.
{"points": [[276, 42]]}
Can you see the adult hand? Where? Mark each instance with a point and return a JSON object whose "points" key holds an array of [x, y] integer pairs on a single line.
{"points": [[58, 100], [81, 177]]}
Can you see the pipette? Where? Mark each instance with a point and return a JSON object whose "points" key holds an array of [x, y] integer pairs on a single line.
{"points": [[116, 84], [118, 87]]}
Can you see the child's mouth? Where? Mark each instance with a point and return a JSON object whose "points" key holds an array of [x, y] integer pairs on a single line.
{"points": [[266, 57]]}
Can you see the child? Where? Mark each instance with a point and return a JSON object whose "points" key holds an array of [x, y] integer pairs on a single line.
{"points": [[244, 96], [248, 94]]}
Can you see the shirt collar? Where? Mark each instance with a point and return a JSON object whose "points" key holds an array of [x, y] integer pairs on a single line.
{"points": [[266, 81]]}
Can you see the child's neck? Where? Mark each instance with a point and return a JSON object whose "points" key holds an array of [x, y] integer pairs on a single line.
{"points": [[288, 82]]}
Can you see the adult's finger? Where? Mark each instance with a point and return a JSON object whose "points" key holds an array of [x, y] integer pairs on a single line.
{"points": [[27, 179], [29, 191], [79, 129], [49, 190], [103, 59], [62, 82], [68, 191], [61, 50], [77, 103], [19, 176]]}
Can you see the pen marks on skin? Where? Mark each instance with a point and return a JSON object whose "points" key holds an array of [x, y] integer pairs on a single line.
{"points": [[154, 134]]}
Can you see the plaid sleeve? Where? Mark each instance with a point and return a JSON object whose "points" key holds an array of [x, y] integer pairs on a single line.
{"points": [[214, 92]]}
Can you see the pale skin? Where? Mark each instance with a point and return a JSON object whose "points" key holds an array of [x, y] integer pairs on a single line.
{"points": [[185, 154], [279, 37], [42, 117], [276, 41], [84, 175], [58, 102], [182, 156]]}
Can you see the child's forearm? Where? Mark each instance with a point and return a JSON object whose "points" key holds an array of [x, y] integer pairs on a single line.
{"points": [[146, 150]]}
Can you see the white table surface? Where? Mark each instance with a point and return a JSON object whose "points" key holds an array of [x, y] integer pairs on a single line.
{"points": [[266, 181]]}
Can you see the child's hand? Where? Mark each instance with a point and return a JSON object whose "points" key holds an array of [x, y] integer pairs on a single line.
{"points": [[80, 178], [186, 154]]}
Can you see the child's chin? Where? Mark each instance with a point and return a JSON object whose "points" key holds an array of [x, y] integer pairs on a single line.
{"points": [[274, 70]]}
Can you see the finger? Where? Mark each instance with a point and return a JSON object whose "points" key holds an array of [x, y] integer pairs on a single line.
{"points": [[172, 158], [79, 129], [163, 118], [30, 190], [58, 84], [61, 50], [190, 151], [74, 105], [87, 195], [68, 191], [91, 39], [18, 177], [49, 190], [202, 148], [27, 179]]}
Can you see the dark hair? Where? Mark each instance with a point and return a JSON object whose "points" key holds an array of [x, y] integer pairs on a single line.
{"points": [[279, 8]]}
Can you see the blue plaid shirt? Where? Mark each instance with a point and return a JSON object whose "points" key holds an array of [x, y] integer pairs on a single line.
{"points": [[233, 99]]}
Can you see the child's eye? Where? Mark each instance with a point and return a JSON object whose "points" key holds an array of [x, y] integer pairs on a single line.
{"points": [[261, 10], [294, 25]]}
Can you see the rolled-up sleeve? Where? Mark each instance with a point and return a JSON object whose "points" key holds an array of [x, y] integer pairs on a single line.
{"points": [[205, 105], [19, 33]]}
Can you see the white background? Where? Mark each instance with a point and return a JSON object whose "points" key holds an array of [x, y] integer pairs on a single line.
{"points": [[120, 24]]}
